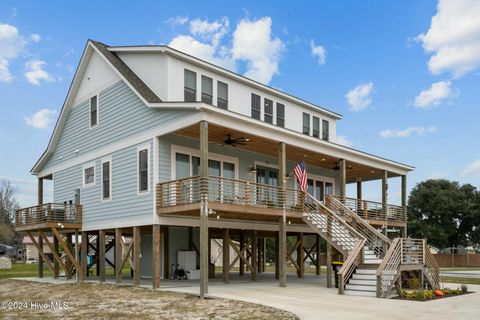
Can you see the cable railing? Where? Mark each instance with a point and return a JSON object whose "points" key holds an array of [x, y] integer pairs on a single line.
{"points": [[375, 240], [49, 213], [372, 210], [224, 190]]}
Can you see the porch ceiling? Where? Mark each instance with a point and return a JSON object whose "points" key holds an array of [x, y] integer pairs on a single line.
{"points": [[265, 146]]}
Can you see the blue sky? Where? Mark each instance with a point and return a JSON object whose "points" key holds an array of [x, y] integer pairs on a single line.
{"points": [[407, 85]]}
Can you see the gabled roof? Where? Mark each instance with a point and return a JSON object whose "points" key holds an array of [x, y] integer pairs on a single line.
{"points": [[127, 73], [122, 70]]}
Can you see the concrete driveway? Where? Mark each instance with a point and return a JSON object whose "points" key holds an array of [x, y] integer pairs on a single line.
{"points": [[309, 299]]}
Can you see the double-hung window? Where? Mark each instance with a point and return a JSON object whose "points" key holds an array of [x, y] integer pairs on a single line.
{"points": [[89, 175], [106, 180], [325, 130], [280, 115], [222, 95], [268, 111], [316, 127], [190, 86], [207, 89], [255, 106], [306, 123], [93, 111], [143, 170]]}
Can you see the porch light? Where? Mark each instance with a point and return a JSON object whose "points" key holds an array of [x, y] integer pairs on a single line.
{"points": [[289, 222], [252, 168], [218, 217], [373, 171], [323, 159]]}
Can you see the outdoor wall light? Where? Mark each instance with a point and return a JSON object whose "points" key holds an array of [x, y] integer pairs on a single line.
{"points": [[77, 151], [252, 168]]}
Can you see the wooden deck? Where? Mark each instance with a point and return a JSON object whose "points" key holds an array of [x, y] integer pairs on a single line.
{"points": [[62, 216]]}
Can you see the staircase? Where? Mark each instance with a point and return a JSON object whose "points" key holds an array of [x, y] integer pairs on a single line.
{"points": [[373, 263]]}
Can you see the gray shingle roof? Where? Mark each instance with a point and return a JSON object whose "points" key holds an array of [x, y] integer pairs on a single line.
{"points": [[127, 73]]}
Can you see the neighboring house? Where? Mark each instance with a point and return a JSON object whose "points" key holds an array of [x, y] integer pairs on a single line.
{"points": [[173, 151], [31, 251]]}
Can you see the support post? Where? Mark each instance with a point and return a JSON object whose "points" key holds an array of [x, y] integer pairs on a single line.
{"points": [[277, 255], [404, 201], [329, 265], [40, 241], [77, 257], [101, 255], [226, 255], [359, 189], [118, 256], [242, 245], [84, 255], [68, 262], [384, 198], [343, 179], [254, 255], [137, 253], [156, 256], [318, 270], [204, 259], [282, 160], [300, 255], [56, 266]]}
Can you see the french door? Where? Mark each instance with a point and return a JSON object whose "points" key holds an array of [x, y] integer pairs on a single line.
{"points": [[267, 176]]}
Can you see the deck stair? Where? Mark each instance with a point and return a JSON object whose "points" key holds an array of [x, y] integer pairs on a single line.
{"points": [[373, 263]]}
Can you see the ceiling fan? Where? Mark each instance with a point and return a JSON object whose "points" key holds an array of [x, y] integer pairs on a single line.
{"points": [[234, 142], [337, 167]]}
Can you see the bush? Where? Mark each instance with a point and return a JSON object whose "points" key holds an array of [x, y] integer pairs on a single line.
{"points": [[464, 288]]}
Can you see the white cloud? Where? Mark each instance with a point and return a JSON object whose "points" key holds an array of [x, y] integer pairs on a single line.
{"points": [[405, 133], [35, 37], [178, 20], [252, 42], [344, 141], [35, 73], [11, 45], [41, 119], [471, 168], [319, 52], [453, 38], [433, 96], [360, 97]]}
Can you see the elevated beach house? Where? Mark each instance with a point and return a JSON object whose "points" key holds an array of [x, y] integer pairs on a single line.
{"points": [[155, 153]]}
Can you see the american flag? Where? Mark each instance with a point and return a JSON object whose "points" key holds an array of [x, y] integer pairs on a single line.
{"points": [[301, 175]]}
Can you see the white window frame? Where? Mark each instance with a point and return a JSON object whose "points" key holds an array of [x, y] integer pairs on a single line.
{"points": [[96, 96], [86, 166], [108, 159], [196, 153], [149, 168], [317, 177]]}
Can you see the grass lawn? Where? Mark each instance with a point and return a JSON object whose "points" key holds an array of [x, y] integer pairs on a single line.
{"points": [[30, 270], [106, 301], [461, 280]]}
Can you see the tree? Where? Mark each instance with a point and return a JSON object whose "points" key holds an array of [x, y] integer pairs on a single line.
{"points": [[445, 213], [8, 205]]}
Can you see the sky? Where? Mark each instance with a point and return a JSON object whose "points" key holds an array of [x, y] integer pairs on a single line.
{"points": [[405, 75]]}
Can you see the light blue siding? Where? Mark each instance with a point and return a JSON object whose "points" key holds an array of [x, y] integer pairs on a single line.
{"points": [[121, 115], [125, 203], [245, 158]]}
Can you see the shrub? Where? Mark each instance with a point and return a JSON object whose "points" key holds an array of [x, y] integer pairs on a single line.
{"points": [[464, 288], [420, 295]]}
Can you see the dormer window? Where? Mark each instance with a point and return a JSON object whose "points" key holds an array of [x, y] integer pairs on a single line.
{"points": [[268, 111], [190, 86], [306, 123], [93, 111], [222, 95], [255, 106], [316, 127], [280, 115], [207, 89], [325, 130]]}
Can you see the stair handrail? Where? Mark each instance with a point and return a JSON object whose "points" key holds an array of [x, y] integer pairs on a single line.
{"points": [[431, 267], [372, 235], [388, 270], [317, 203], [353, 260]]}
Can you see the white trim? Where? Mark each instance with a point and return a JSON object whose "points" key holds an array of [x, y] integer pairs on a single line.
{"points": [[228, 74], [174, 149], [125, 143], [90, 112], [155, 176], [107, 159], [87, 166], [145, 146]]}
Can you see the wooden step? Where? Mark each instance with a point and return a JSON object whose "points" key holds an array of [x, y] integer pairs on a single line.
{"points": [[360, 293], [363, 282], [356, 287], [366, 271], [364, 276]]}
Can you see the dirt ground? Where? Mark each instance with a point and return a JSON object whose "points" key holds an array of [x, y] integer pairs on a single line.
{"points": [[105, 301]]}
